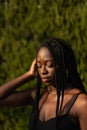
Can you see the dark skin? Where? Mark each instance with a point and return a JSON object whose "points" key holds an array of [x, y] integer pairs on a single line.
{"points": [[48, 101]]}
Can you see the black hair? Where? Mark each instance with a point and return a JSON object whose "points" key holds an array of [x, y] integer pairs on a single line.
{"points": [[62, 54]]}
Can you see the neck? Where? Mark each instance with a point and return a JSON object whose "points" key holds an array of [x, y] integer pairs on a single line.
{"points": [[52, 90]]}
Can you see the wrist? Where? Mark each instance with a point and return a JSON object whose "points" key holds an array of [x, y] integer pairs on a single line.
{"points": [[29, 75]]}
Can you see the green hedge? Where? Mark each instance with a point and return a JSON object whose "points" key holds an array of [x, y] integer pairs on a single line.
{"points": [[23, 26]]}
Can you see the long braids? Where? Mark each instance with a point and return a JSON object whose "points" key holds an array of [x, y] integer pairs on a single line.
{"points": [[35, 111], [71, 67], [57, 54], [64, 57]]}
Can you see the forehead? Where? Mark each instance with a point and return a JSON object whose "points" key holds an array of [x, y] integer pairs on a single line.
{"points": [[44, 53]]}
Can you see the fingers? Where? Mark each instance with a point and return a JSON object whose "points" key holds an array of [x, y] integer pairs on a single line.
{"points": [[34, 64], [33, 68]]}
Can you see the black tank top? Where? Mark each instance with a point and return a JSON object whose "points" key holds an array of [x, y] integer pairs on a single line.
{"points": [[64, 122]]}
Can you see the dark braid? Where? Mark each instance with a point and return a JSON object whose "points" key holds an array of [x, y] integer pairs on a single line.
{"points": [[35, 110], [71, 67], [64, 57]]}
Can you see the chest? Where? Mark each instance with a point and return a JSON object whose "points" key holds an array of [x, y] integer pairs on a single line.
{"points": [[47, 107]]}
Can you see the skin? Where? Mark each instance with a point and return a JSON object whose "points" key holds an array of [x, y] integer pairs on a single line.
{"points": [[48, 101], [45, 65]]}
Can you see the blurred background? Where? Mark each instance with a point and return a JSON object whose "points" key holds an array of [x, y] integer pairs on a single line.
{"points": [[24, 25]]}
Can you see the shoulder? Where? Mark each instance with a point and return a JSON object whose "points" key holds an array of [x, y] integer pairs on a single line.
{"points": [[82, 99], [81, 104], [82, 111]]}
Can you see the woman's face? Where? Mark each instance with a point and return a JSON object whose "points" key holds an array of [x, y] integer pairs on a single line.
{"points": [[45, 65]]}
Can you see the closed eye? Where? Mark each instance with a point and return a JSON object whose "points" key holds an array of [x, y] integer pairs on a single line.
{"points": [[38, 65], [50, 64]]}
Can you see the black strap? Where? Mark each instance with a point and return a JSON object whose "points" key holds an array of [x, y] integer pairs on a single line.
{"points": [[69, 105]]}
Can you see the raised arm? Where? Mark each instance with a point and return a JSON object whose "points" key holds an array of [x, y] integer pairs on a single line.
{"points": [[19, 98], [8, 88]]}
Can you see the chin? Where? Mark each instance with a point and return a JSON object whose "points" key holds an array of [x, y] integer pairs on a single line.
{"points": [[47, 83]]}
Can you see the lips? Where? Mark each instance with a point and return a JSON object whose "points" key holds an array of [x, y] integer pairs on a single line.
{"points": [[46, 79]]}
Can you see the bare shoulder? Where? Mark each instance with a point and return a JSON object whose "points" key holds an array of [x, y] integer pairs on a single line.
{"points": [[82, 99], [81, 104]]}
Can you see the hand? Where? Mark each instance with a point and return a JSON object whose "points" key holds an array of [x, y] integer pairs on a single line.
{"points": [[33, 69]]}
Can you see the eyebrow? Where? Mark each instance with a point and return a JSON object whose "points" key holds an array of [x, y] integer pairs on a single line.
{"points": [[51, 59]]}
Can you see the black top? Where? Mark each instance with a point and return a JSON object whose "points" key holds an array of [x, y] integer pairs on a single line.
{"points": [[64, 122]]}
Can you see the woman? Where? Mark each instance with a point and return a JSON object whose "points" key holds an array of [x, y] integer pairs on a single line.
{"points": [[62, 102]]}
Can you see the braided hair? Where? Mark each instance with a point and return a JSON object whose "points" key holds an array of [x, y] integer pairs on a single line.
{"points": [[64, 56]]}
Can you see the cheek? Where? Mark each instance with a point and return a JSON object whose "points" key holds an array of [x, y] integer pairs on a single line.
{"points": [[52, 72]]}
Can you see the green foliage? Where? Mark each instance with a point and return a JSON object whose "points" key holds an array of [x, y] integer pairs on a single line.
{"points": [[23, 26]]}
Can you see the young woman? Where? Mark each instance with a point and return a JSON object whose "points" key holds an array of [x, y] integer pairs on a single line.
{"points": [[62, 102]]}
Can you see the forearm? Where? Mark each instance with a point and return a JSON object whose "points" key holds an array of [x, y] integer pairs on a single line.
{"points": [[7, 88], [19, 98]]}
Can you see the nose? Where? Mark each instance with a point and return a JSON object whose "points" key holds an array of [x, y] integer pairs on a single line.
{"points": [[43, 70]]}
